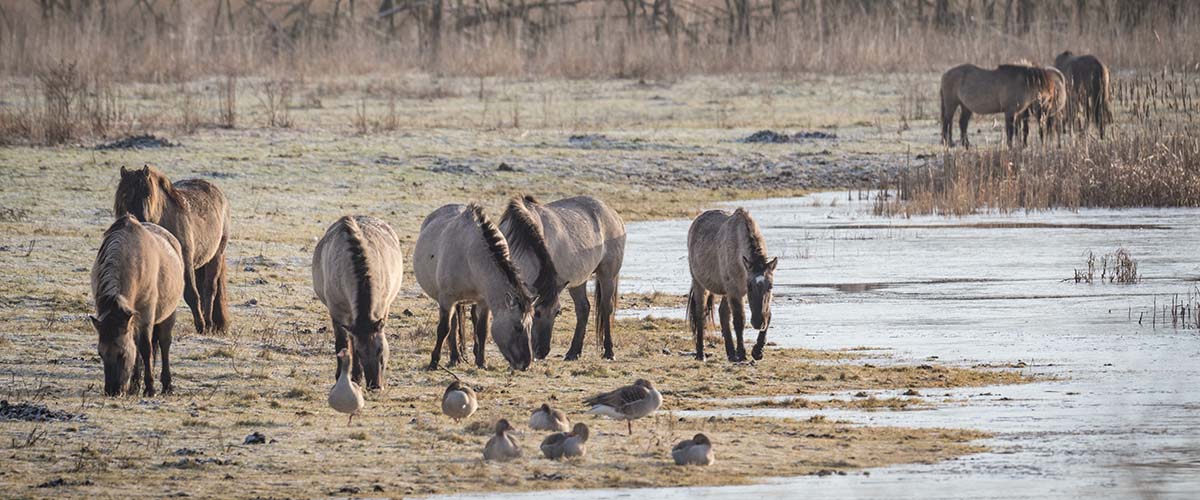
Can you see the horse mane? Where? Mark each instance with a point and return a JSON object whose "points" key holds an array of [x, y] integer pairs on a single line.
{"points": [[526, 233], [153, 177], [362, 273], [754, 239], [109, 263], [498, 246], [1037, 78]]}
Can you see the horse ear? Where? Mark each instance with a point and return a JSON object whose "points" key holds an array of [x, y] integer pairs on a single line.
{"points": [[124, 171], [746, 262], [145, 169], [771, 264], [95, 322], [378, 325]]}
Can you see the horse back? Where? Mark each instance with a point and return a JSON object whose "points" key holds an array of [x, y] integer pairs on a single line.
{"points": [[583, 234], [335, 265], [710, 246], [445, 249], [140, 262], [199, 218]]}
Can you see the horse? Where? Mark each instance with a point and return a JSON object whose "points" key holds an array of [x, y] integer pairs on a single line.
{"points": [[727, 256], [196, 213], [137, 282], [462, 257], [1088, 80], [561, 245], [357, 269], [1008, 89], [1049, 112]]}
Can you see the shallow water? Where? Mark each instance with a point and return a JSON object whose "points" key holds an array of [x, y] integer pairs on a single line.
{"points": [[1122, 417]]}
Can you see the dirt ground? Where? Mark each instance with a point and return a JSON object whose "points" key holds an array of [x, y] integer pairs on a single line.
{"points": [[653, 151]]}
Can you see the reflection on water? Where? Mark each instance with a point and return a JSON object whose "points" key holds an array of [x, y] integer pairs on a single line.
{"points": [[1121, 418]]}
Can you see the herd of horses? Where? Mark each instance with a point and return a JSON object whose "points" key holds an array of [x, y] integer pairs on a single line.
{"points": [[168, 243], [1071, 95]]}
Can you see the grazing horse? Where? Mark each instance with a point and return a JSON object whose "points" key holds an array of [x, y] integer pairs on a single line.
{"points": [[137, 281], [1088, 80], [1050, 112], [728, 257], [196, 213], [357, 268], [462, 257], [561, 245], [1008, 89]]}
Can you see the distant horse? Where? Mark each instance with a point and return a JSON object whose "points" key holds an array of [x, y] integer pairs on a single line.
{"points": [[562, 245], [1049, 112], [462, 257], [357, 269], [1008, 89], [137, 281], [196, 213], [1088, 79], [728, 256]]}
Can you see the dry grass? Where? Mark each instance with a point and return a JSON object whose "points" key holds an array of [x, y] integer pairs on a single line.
{"points": [[1124, 268]]}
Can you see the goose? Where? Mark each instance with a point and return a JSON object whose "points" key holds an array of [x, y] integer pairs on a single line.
{"points": [[345, 396], [566, 444], [458, 402], [546, 418], [628, 403], [502, 447], [694, 451]]}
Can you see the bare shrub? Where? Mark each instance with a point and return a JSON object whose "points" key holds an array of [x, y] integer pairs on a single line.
{"points": [[187, 108], [276, 97], [61, 84], [227, 115]]}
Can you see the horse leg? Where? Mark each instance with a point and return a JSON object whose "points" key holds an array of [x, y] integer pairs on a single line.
{"points": [[218, 315], [582, 310], [162, 337], [480, 316], [339, 342], [696, 300], [1010, 125], [964, 120], [191, 294], [145, 351], [443, 328], [738, 308], [708, 309], [452, 339], [464, 317], [1024, 125], [606, 304], [726, 332]]}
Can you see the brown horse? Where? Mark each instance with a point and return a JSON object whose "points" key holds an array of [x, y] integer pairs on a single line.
{"points": [[1088, 80], [1050, 112], [196, 213], [1008, 89], [728, 257], [357, 269], [137, 281]]}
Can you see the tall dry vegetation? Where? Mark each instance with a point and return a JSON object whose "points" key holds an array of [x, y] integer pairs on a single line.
{"points": [[178, 41]]}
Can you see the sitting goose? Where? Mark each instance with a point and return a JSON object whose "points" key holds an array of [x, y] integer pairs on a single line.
{"points": [[628, 403], [502, 446], [694, 451], [566, 444], [458, 402], [546, 418], [345, 396]]}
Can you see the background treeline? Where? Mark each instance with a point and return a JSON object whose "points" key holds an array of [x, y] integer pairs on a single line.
{"points": [[170, 40]]}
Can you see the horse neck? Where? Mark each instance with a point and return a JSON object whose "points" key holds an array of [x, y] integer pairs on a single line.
{"points": [[748, 239]]}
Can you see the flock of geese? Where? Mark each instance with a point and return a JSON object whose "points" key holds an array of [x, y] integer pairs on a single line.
{"points": [[460, 401]]}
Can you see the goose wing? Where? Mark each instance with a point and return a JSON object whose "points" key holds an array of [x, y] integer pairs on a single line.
{"points": [[619, 398]]}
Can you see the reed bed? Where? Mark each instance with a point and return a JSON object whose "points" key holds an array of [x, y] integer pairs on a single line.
{"points": [[1123, 268], [1179, 312]]}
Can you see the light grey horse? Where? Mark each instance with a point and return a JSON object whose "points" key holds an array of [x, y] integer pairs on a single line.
{"points": [[357, 269], [462, 257], [561, 245], [728, 257]]}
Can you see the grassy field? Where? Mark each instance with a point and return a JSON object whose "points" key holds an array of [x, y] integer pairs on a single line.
{"points": [[652, 150]]}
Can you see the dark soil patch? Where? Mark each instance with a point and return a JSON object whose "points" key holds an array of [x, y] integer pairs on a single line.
{"points": [[30, 412], [773, 137], [145, 141]]}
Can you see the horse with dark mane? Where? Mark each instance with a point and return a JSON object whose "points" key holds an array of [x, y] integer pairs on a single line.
{"points": [[137, 281], [560, 245], [357, 270], [728, 257], [1010, 89], [197, 214], [461, 257], [1088, 80]]}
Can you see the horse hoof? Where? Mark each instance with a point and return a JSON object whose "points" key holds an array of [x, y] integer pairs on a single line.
{"points": [[149, 393], [609, 356], [570, 357], [701, 357], [758, 354], [433, 365]]}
